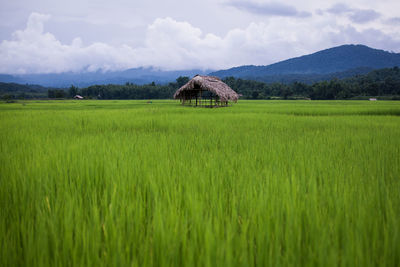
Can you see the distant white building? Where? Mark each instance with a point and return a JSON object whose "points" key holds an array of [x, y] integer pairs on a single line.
{"points": [[373, 99], [78, 97]]}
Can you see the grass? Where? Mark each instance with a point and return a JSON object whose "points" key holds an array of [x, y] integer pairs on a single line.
{"points": [[261, 183]]}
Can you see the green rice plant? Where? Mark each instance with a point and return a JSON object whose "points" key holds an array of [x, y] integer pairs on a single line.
{"points": [[260, 183]]}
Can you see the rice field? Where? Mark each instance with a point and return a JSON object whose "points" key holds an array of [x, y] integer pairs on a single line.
{"points": [[261, 183]]}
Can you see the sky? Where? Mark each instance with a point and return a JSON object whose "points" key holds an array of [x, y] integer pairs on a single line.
{"points": [[48, 36]]}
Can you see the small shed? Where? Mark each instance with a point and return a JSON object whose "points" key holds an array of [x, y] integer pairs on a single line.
{"points": [[78, 97], [206, 91]]}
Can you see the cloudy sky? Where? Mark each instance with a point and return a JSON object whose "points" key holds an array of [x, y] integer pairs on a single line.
{"points": [[48, 36]]}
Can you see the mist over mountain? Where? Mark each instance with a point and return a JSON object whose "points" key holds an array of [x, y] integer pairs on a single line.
{"points": [[337, 62], [83, 79]]}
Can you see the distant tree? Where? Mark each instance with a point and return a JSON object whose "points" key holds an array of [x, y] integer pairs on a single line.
{"points": [[50, 93], [7, 97], [182, 80], [55, 93], [72, 91], [254, 94], [59, 93], [379, 82]]}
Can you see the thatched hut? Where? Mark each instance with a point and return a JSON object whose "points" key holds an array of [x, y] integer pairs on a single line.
{"points": [[206, 91]]}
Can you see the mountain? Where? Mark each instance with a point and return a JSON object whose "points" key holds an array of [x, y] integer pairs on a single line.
{"points": [[5, 78], [345, 60], [84, 79], [337, 62], [310, 77]]}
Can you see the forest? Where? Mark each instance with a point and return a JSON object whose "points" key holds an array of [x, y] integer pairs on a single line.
{"points": [[383, 83]]}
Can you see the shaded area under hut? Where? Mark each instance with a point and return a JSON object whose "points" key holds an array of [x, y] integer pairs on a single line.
{"points": [[206, 91]]}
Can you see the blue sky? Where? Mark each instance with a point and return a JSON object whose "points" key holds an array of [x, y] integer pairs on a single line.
{"points": [[46, 36]]}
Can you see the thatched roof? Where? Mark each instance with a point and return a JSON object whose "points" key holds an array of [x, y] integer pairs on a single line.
{"points": [[208, 83]]}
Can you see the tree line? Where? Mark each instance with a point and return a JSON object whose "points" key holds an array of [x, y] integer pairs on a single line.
{"points": [[126, 91], [383, 83]]}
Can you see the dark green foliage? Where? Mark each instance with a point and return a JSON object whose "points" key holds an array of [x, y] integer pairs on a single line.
{"points": [[110, 91], [133, 91], [56, 93], [72, 91], [383, 83], [128, 91], [22, 91], [182, 80]]}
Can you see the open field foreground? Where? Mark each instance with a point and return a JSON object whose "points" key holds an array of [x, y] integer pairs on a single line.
{"points": [[261, 183]]}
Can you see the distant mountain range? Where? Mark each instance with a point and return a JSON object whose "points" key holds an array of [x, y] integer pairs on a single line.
{"points": [[341, 62], [338, 62], [84, 79]]}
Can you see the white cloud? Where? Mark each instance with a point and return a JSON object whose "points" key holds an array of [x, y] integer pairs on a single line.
{"points": [[172, 45], [34, 51]]}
